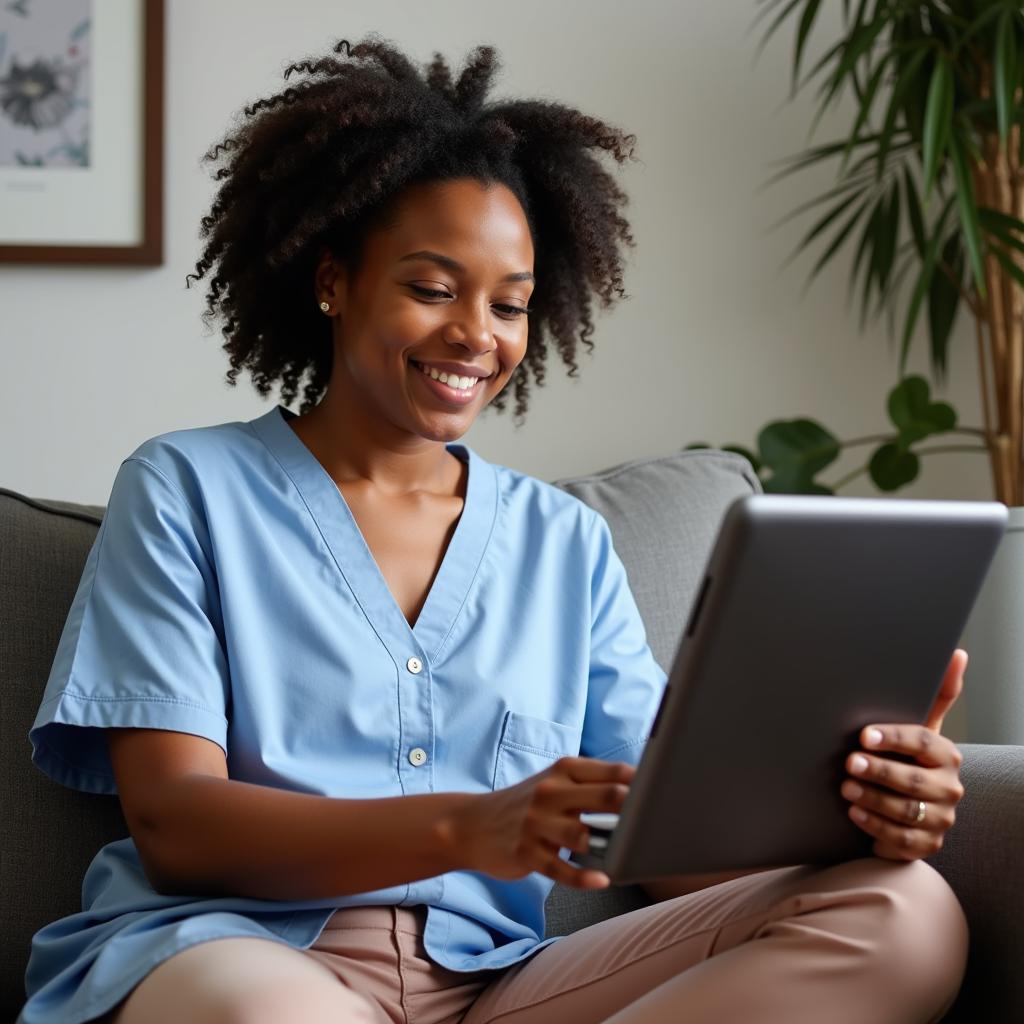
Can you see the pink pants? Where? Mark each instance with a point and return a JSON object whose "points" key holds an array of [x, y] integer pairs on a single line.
{"points": [[867, 940]]}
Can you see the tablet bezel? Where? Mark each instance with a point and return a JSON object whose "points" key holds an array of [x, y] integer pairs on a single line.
{"points": [[937, 552]]}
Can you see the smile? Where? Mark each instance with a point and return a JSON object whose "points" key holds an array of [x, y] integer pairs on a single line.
{"points": [[457, 383], [453, 389]]}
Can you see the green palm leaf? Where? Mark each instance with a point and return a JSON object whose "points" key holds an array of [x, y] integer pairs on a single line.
{"points": [[924, 281], [968, 211], [1005, 73], [937, 118]]}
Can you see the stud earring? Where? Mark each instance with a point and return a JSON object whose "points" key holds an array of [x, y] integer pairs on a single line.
{"points": [[325, 306]]}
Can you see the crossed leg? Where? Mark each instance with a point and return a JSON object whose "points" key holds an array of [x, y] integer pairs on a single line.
{"points": [[243, 981], [870, 939]]}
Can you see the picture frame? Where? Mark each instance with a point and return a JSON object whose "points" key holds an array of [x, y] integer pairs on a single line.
{"points": [[81, 175]]}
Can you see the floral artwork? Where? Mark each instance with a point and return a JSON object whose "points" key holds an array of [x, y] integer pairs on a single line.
{"points": [[45, 72]]}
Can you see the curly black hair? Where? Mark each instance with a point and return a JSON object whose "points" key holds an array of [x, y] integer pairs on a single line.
{"points": [[326, 160]]}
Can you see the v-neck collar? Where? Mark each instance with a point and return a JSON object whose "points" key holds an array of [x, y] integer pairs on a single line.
{"points": [[337, 525]]}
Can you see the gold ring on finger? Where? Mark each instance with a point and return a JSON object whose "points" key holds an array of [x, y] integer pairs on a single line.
{"points": [[922, 808]]}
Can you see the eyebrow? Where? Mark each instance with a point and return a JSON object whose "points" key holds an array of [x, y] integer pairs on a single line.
{"points": [[447, 261]]}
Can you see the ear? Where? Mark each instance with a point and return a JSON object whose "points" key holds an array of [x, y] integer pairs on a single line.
{"points": [[330, 282]]}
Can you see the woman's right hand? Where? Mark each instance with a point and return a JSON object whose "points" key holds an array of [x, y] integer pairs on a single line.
{"points": [[510, 832]]}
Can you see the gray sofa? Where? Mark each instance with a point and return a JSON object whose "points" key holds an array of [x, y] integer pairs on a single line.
{"points": [[664, 514]]}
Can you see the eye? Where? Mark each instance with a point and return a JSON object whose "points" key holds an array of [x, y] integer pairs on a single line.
{"points": [[433, 293], [517, 310]]}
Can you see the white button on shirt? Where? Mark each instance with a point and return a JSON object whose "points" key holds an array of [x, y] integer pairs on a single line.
{"points": [[230, 594]]}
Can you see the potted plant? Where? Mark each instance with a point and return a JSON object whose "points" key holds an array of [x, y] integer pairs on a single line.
{"points": [[930, 183]]}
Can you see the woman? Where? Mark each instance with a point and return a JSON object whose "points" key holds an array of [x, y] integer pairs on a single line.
{"points": [[353, 684]]}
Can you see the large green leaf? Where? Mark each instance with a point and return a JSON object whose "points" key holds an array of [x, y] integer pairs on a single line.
{"points": [[1008, 264], [914, 211], [937, 120], [886, 248], [1005, 73], [944, 300], [915, 415], [868, 244], [822, 224], [837, 241], [991, 12], [1005, 227], [892, 468], [886, 301], [913, 96], [865, 108], [968, 210], [908, 76], [795, 450], [858, 43], [804, 29], [780, 18], [924, 281], [814, 155]]}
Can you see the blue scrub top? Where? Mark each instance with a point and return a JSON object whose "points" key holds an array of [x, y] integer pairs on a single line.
{"points": [[229, 593]]}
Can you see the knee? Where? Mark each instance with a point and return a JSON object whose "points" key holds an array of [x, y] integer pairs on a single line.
{"points": [[305, 1004], [243, 981], [922, 937]]}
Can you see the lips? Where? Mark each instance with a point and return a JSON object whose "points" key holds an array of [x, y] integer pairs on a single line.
{"points": [[457, 369], [448, 395]]}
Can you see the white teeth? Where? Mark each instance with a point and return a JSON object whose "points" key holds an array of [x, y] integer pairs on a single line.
{"points": [[452, 380]]}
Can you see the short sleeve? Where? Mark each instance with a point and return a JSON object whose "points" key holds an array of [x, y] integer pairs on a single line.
{"points": [[143, 643], [625, 681]]}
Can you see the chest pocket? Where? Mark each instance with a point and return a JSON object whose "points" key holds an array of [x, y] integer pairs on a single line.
{"points": [[528, 745]]}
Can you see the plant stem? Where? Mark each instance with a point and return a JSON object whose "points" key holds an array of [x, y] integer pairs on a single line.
{"points": [[883, 438], [951, 448]]}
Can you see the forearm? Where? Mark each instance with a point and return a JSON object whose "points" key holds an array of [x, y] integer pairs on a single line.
{"points": [[220, 836]]}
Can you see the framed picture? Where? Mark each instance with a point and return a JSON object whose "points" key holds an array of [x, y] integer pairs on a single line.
{"points": [[81, 131]]}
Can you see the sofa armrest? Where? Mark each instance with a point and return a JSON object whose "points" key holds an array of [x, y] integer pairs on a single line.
{"points": [[983, 860]]}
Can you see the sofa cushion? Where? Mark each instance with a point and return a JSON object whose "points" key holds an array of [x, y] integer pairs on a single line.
{"points": [[664, 515], [51, 833]]}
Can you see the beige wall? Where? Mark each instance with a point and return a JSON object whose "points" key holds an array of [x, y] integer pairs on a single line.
{"points": [[716, 339]]}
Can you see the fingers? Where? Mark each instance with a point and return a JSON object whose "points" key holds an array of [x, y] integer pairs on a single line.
{"points": [[930, 748], [910, 779], [574, 785], [560, 870], [885, 794], [897, 842], [949, 690], [590, 769], [899, 810], [554, 794]]}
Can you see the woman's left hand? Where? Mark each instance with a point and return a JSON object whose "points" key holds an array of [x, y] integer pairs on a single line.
{"points": [[885, 793]]}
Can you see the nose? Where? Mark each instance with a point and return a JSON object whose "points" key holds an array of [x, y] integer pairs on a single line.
{"points": [[470, 329]]}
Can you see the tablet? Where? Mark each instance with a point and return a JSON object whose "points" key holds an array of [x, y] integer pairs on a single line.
{"points": [[817, 615]]}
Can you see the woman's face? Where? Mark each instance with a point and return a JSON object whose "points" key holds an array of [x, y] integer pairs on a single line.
{"points": [[440, 290]]}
